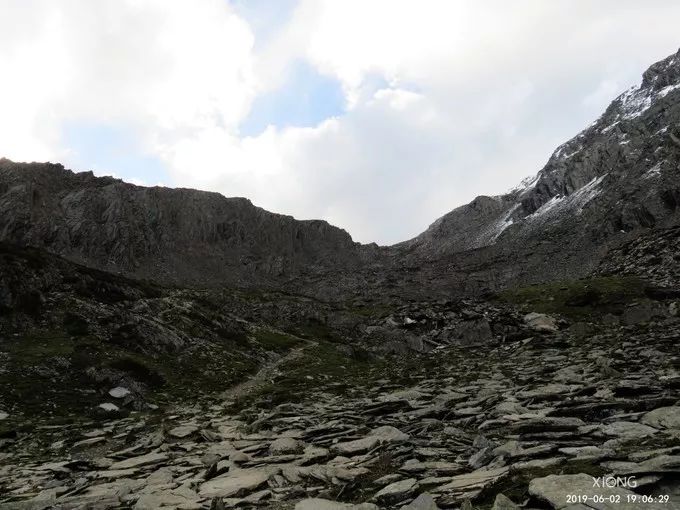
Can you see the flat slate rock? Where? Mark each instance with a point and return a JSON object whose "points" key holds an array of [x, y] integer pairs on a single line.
{"points": [[396, 491], [236, 483], [663, 418], [357, 446], [142, 460], [324, 504], [476, 479], [183, 431], [628, 430]]}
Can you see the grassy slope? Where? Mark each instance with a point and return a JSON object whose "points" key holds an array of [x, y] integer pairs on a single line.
{"points": [[579, 299]]}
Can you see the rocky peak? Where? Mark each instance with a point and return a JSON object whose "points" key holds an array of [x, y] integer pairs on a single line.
{"points": [[662, 74], [627, 156]]}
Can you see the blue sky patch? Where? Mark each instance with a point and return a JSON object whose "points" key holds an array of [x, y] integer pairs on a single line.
{"points": [[305, 99], [265, 17], [110, 150]]}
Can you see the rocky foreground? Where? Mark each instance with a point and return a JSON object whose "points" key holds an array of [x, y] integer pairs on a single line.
{"points": [[530, 423]]}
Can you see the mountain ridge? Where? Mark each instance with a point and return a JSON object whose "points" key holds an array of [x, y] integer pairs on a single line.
{"points": [[618, 175], [147, 232]]}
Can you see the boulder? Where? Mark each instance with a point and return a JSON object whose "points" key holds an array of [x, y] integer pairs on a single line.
{"points": [[502, 502], [663, 418], [473, 332], [389, 434], [422, 502], [541, 322], [119, 392], [285, 445]]}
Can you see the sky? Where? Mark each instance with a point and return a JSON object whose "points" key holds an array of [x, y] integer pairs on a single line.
{"points": [[378, 116]]}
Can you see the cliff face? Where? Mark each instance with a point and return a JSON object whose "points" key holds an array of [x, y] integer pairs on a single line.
{"points": [[173, 235]]}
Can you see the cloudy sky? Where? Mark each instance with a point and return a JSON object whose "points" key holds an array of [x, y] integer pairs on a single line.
{"points": [[376, 115]]}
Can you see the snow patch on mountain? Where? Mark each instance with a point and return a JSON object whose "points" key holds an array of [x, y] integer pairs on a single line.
{"points": [[608, 128], [575, 202], [655, 171], [561, 152], [670, 88], [504, 222], [635, 101], [547, 207], [526, 184], [493, 232]]}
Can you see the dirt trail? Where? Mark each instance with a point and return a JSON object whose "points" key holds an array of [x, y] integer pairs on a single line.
{"points": [[266, 373]]}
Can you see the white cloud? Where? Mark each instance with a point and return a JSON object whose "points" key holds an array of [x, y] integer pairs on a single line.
{"points": [[446, 99], [166, 66]]}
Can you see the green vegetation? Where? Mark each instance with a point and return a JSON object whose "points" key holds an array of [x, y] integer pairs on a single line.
{"points": [[316, 331], [51, 374], [578, 299], [372, 311], [340, 369], [274, 341]]}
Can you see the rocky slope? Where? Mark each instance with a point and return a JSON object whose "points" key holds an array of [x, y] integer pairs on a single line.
{"points": [[68, 333], [631, 152], [654, 254]]}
